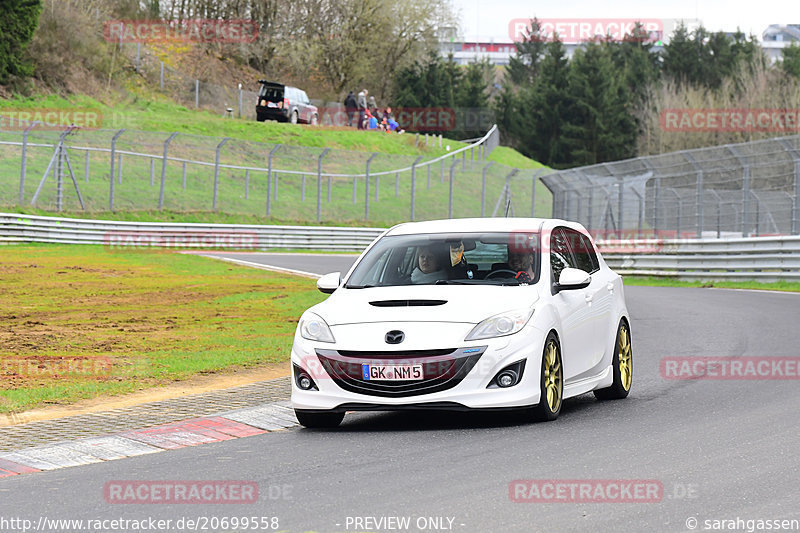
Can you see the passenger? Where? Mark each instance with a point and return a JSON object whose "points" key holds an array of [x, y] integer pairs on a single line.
{"points": [[429, 266]]}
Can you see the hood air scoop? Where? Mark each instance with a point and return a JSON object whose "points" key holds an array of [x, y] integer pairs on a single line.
{"points": [[407, 303]]}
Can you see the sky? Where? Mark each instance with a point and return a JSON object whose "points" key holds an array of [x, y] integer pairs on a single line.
{"points": [[488, 19]]}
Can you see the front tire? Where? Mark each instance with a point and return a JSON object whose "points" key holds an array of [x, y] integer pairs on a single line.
{"points": [[551, 382], [318, 420], [622, 367]]}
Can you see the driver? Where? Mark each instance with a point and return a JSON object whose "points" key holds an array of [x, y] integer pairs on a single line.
{"points": [[521, 262]]}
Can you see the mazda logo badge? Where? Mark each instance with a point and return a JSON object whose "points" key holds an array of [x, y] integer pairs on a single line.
{"points": [[395, 337]]}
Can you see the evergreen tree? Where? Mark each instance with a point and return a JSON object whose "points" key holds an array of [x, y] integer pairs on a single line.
{"points": [[599, 124], [549, 102], [680, 59], [791, 60], [20, 18], [523, 66]]}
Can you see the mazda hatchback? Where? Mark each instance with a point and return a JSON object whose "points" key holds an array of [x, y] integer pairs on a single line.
{"points": [[510, 313]]}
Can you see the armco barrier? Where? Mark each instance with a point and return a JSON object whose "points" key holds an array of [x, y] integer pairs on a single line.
{"points": [[28, 228], [761, 258]]}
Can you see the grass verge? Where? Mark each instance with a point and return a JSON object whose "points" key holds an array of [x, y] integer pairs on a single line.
{"points": [[784, 286], [85, 321]]}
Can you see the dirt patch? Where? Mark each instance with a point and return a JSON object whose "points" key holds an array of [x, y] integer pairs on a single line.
{"points": [[194, 385]]}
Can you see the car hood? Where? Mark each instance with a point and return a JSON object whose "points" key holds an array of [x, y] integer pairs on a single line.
{"points": [[461, 303]]}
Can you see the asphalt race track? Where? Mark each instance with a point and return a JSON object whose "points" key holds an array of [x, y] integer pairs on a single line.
{"points": [[721, 449]]}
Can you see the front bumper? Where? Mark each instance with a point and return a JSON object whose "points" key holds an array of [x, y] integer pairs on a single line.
{"points": [[458, 387]]}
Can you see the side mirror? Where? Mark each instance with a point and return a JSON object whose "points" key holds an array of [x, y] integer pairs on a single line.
{"points": [[329, 282], [571, 279]]}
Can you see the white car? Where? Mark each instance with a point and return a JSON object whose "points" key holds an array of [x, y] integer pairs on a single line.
{"points": [[465, 314]]}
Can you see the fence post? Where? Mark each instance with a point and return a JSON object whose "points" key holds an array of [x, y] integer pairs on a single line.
{"points": [[216, 173], [164, 170], [414, 183], [620, 206], [240, 100], [533, 190], [111, 176], [152, 171], [450, 201], [795, 214], [745, 201], [656, 192], [366, 191], [23, 167], [699, 204], [269, 178], [319, 183], [483, 188]]}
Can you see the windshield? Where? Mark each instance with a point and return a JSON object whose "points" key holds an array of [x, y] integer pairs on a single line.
{"points": [[497, 258]]}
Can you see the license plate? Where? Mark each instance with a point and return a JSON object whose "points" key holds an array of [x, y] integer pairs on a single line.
{"points": [[272, 104], [392, 372]]}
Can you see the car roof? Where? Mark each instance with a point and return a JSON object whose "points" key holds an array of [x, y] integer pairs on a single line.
{"points": [[468, 225]]}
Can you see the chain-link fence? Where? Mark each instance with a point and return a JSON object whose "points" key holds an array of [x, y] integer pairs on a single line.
{"points": [[748, 189], [72, 170]]}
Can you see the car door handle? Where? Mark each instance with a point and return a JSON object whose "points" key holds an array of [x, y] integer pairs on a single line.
{"points": [[610, 287], [588, 298]]}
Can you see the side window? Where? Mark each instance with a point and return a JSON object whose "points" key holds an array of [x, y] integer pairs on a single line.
{"points": [[592, 253], [560, 257], [582, 251]]}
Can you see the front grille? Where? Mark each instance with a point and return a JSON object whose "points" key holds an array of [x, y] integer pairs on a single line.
{"points": [[442, 370]]}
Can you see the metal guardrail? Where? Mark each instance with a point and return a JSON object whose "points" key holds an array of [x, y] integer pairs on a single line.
{"points": [[743, 259], [762, 258], [27, 228]]}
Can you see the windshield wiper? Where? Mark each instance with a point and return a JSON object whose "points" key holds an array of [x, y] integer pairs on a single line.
{"points": [[367, 286], [476, 282]]}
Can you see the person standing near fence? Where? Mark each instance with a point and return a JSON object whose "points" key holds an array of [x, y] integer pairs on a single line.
{"points": [[362, 108], [350, 106]]}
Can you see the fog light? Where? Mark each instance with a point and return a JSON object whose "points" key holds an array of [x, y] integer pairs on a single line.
{"points": [[302, 379], [304, 382], [507, 378]]}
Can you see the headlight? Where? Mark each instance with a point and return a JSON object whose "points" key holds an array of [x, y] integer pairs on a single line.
{"points": [[500, 325], [313, 328]]}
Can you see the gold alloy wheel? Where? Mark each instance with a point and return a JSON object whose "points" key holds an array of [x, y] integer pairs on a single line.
{"points": [[625, 357], [552, 376]]}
